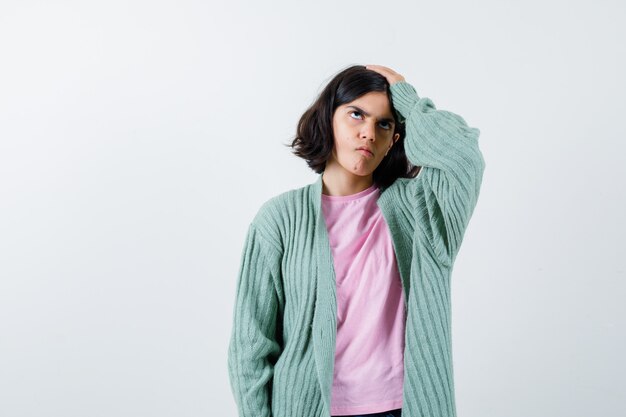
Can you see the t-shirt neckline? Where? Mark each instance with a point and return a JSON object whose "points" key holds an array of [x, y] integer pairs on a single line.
{"points": [[369, 190]]}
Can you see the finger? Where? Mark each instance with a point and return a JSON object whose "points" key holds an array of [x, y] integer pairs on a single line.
{"points": [[379, 69], [386, 71], [382, 67]]}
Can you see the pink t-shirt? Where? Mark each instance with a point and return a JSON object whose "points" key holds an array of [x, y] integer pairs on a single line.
{"points": [[369, 374]]}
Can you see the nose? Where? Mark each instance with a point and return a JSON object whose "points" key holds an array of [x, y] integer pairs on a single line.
{"points": [[368, 132]]}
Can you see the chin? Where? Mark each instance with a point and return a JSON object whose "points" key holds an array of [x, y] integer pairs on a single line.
{"points": [[362, 173]]}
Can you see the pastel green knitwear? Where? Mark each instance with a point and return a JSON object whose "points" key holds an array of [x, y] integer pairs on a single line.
{"points": [[282, 347]]}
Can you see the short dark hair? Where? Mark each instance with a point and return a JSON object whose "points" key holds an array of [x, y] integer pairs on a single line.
{"points": [[314, 136]]}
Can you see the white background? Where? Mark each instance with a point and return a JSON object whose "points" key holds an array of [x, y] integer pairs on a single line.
{"points": [[139, 138]]}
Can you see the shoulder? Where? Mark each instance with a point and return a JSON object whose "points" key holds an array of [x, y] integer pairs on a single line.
{"points": [[403, 189], [273, 218], [277, 207]]}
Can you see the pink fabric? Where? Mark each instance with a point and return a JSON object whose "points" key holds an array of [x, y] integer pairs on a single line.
{"points": [[369, 374]]}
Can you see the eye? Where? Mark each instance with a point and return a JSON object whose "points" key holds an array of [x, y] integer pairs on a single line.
{"points": [[355, 112], [387, 124]]}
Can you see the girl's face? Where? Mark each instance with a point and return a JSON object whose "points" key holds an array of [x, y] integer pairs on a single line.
{"points": [[366, 122]]}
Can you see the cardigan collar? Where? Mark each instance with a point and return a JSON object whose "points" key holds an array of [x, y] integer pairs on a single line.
{"points": [[316, 192], [324, 327]]}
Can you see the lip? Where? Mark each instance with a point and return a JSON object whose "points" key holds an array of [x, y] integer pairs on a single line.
{"points": [[365, 151]]}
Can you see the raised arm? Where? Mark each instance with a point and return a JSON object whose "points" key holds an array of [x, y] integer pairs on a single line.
{"points": [[254, 346], [446, 189]]}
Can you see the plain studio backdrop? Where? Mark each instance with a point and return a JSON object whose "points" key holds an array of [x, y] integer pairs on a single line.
{"points": [[139, 138]]}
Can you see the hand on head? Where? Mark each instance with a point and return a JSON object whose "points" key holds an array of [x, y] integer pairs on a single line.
{"points": [[391, 76]]}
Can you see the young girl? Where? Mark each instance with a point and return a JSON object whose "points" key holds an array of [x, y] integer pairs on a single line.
{"points": [[342, 305]]}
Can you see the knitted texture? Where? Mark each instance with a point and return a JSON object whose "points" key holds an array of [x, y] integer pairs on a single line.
{"points": [[282, 346]]}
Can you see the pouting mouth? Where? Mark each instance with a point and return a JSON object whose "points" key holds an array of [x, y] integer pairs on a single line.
{"points": [[365, 149]]}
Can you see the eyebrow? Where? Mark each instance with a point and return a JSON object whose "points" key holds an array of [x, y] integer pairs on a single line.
{"points": [[385, 119]]}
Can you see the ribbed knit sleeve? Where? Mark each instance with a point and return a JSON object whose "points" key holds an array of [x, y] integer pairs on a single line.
{"points": [[254, 346], [447, 187]]}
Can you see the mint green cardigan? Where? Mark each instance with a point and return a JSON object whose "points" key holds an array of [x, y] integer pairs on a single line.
{"points": [[282, 347]]}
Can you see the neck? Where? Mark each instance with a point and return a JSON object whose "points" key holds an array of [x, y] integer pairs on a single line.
{"points": [[340, 182]]}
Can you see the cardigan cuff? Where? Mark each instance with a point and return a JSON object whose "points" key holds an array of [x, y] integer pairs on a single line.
{"points": [[404, 97]]}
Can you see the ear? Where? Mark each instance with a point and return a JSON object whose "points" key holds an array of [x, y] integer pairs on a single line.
{"points": [[395, 139]]}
